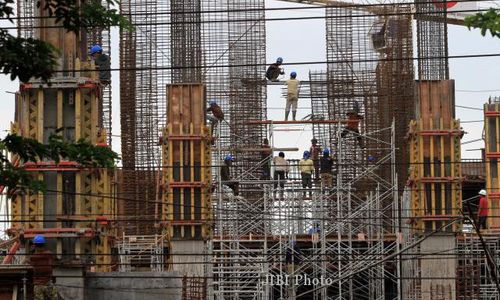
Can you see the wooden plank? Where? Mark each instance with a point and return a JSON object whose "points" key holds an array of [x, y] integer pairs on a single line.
{"points": [[432, 209], [442, 172], [94, 116], [78, 114], [40, 117]]}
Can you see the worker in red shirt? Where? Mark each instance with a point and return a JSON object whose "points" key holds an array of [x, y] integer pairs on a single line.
{"points": [[353, 120], [42, 261], [482, 211]]}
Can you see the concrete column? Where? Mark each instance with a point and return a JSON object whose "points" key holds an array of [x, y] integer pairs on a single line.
{"points": [[438, 267], [70, 283], [186, 264]]}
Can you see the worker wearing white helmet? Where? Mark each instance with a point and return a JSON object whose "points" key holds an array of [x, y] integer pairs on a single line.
{"points": [[482, 211]]}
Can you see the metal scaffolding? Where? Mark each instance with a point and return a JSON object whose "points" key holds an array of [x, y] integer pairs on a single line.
{"points": [[338, 234], [370, 65]]}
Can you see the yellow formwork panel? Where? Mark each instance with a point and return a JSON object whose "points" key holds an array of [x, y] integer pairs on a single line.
{"points": [[435, 174], [492, 159], [16, 200], [93, 188]]}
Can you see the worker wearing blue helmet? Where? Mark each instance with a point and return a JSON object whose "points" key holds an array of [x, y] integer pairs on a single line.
{"points": [[42, 261], [275, 70], [225, 174], [306, 167], [292, 95], [102, 63]]}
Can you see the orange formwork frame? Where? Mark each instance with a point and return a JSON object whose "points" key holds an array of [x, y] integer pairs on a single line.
{"points": [[435, 168], [186, 168]]}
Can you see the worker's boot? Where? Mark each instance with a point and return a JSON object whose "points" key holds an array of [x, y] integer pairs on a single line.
{"points": [[287, 112], [294, 114]]}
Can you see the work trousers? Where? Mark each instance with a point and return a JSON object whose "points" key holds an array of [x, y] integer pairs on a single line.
{"points": [[280, 176], [327, 180], [482, 222], [306, 180], [291, 102], [355, 132], [45, 292]]}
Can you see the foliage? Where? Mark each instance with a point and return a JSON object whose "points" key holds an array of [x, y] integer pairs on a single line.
{"points": [[26, 58], [90, 14], [488, 21], [14, 177]]}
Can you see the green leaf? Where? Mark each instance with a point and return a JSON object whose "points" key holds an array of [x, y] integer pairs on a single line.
{"points": [[487, 21], [30, 150]]}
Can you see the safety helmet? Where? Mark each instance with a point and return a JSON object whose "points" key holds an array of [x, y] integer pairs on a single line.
{"points": [[212, 102], [39, 240], [482, 192], [326, 151], [94, 49], [229, 157], [371, 158], [281, 154], [293, 74], [307, 154], [279, 60]]}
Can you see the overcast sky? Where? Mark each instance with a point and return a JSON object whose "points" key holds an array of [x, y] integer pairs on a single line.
{"points": [[304, 40]]}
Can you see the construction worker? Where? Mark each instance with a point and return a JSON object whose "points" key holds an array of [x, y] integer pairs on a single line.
{"points": [[316, 228], [292, 256], [281, 169], [275, 70], [292, 95], [326, 164], [314, 232], [102, 63], [42, 261], [306, 168], [266, 154], [315, 150], [216, 117], [225, 175], [353, 119], [482, 212]]}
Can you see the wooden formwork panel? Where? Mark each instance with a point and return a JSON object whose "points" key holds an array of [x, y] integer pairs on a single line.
{"points": [[492, 156], [186, 157], [435, 100], [435, 154]]}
